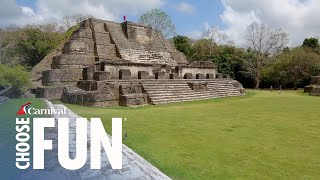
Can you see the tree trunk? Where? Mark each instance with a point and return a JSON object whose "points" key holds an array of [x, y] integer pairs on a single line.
{"points": [[257, 83]]}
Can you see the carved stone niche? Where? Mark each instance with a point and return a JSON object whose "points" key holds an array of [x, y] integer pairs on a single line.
{"points": [[174, 76], [200, 76], [210, 76], [188, 76], [143, 75], [198, 86], [124, 74]]}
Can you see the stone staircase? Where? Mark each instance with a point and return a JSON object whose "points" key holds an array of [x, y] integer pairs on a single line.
{"points": [[223, 88], [162, 92], [150, 53]]}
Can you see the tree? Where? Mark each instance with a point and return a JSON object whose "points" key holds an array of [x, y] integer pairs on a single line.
{"points": [[182, 43], [311, 42], [35, 44], [159, 20], [264, 42], [292, 67], [204, 49], [215, 35]]}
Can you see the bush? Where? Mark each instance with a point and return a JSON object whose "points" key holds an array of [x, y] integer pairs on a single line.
{"points": [[15, 76]]}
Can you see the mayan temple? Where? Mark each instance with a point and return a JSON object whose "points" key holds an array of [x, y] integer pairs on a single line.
{"points": [[128, 64]]}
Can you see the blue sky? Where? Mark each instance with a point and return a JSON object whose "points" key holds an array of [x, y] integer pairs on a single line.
{"points": [[299, 18], [186, 23]]}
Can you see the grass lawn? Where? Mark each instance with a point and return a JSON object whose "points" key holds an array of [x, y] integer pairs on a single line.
{"points": [[8, 132], [261, 135]]}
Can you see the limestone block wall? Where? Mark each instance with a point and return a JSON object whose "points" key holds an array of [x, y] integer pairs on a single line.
{"points": [[147, 57], [114, 70], [195, 70]]}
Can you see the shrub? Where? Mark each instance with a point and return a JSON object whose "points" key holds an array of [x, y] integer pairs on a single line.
{"points": [[15, 76]]}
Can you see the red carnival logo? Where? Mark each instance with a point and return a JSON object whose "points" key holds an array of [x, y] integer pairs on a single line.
{"points": [[23, 109]]}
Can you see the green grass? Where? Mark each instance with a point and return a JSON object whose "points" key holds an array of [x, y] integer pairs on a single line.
{"points": [[261, 135], [8, 141]]}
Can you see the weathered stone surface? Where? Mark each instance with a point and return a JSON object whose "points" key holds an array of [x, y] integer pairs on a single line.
{"points": [[202, 64], [143, 75], [82, 33], [179, 57], [132, 95], [101, 75], [315, 80], [65, 61], [220, 75], [50, 92], [200, 76], [102, 38], [105, 93], [124, 74], [82, 46], [98, 26], [53, 76], [131, 89], [209, 76], [308, 89], [160, 75], [107, 51], [198, 86], [133, 100], [239, 87], [174, 76], [188, 76], [88, 85], [315, 91]]}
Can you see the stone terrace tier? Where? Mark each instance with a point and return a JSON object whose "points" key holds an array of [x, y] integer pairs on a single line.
{"points": [[141, 92]]}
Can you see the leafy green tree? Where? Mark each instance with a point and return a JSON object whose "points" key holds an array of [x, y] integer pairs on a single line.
{"points": [[159, 20], [204, 49], [294, 67], [311, 42], [35, 44], [182, 43], [30, 44]]}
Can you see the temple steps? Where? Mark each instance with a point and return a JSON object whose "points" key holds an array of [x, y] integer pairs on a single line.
{"points": [[162, 92]]}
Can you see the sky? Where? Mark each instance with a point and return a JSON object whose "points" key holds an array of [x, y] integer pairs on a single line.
{"points": [[299, 18]]}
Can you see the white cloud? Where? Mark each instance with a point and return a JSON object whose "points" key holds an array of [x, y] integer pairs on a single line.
{"points": [[298, 18], [54, 10], [197, 34], [185, 7]]}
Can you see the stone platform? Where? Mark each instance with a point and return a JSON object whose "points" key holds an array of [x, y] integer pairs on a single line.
{"points": [[314, 88], [108, 64]]}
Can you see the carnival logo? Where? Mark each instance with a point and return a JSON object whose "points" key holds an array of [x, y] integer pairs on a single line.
{"points": [[25, 109]]}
